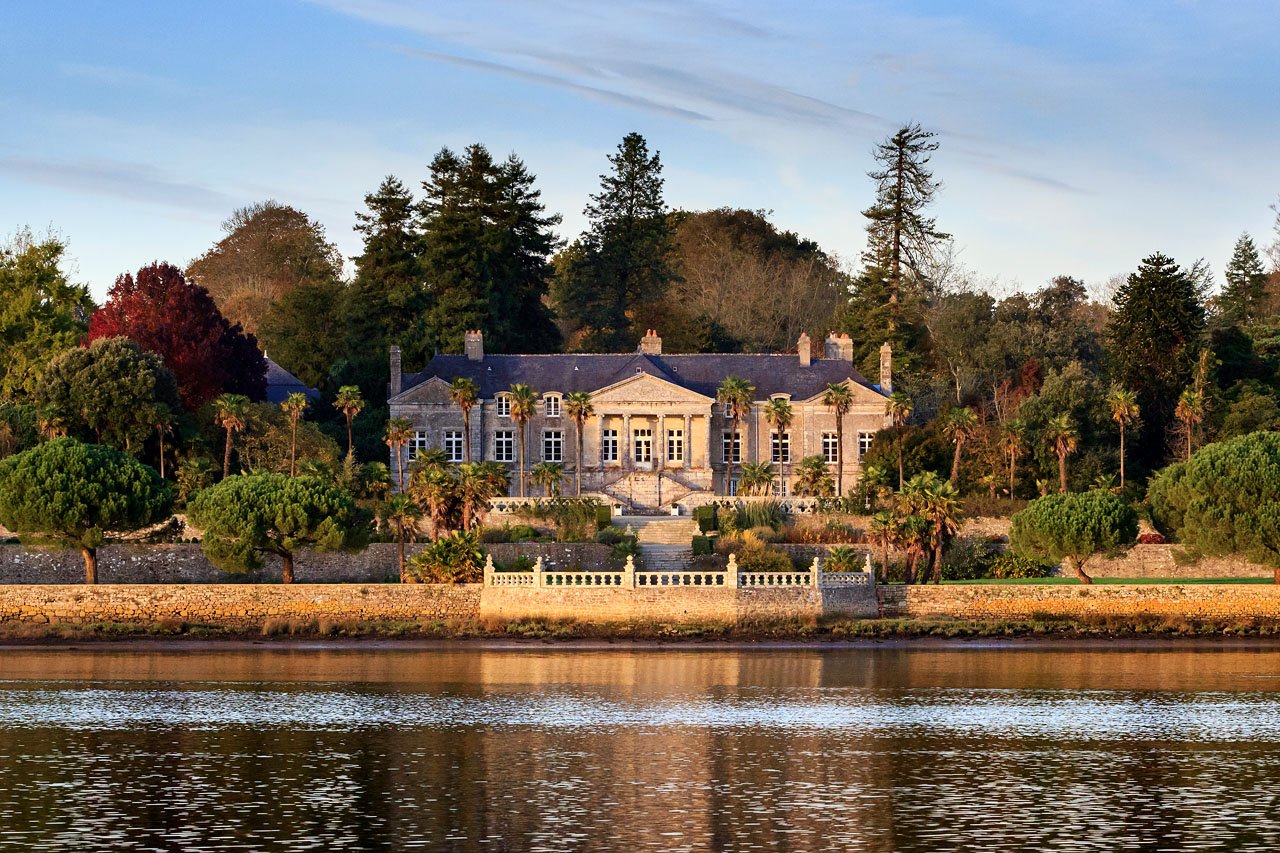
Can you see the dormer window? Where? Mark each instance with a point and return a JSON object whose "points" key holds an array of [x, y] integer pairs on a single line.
{"points": [[503, 402], [551, 405]]}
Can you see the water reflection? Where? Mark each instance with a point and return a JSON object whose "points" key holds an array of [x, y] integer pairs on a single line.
{"points": [[864, 749]]}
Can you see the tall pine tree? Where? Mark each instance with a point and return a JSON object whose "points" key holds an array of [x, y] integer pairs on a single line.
{"points": [[1243, 298], [1154, 340], [487, 244], [608, 280], [900, 238]]}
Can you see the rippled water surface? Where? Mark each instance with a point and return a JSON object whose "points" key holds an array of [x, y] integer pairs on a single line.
{"points": [[877, 749]]}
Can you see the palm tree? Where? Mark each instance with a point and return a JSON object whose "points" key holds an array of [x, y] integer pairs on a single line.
{"points": [[523, 404], [839, 399], [937, 501], [813, 477], [960, 425], [399, 430], [548, 475], [913, 537], [875, 480], [778, 414], [478, 484], [401, 514], [465, 394], [577, 405], [1012, 435], [1063, 438], [349, 402], [1124, 411], [433, 484], [164, 426], [734, 394], [883, 529], [1190, 410], [294, 405], [231, 413], [898, 408], [757, 478]]}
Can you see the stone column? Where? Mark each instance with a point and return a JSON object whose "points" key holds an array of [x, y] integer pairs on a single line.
{"points": [[660, 452], [625, 441], [687, 462]]}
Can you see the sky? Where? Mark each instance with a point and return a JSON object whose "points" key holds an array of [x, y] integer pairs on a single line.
{"points": [[1075, 138]]}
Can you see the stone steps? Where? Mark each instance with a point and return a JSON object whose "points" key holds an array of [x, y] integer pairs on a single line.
{"points": [[665, 558]]}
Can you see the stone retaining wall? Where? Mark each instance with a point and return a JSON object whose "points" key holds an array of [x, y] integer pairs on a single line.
{"points": [[1190, 601], [676, 604], [237, 605], [122, 564]]}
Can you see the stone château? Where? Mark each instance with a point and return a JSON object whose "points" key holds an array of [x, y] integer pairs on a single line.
{"points": [[657, 434]]}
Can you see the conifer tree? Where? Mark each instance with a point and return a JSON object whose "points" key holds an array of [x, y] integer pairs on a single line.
{"points": [[1154, 339], [1242, 298], [620, 268], [900, 238]]}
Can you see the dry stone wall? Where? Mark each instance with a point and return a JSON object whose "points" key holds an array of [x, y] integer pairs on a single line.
{"points": [[1019, 602], [237, 605]]}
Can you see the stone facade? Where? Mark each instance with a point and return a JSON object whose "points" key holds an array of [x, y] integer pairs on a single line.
{"points": [[657, 434], [1181, 601]]}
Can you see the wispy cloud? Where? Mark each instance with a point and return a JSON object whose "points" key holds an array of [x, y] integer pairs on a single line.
{"points": [[135, 182], [559, 82]]}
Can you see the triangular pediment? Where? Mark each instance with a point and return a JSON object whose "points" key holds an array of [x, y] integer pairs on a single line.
{"points": [[646, 388], [861, 394], [433, 390]]}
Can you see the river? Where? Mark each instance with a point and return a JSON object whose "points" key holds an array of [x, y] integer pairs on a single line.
{"points": [[892, 748]]}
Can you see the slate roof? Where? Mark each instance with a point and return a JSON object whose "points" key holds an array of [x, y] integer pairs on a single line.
{"points": [[701, 373], [281, 383]]}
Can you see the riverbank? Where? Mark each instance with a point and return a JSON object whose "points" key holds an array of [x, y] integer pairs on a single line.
{"points": [[375, 633]]}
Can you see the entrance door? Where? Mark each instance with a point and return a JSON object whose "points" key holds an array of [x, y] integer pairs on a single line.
{"points": [[642, 442]]}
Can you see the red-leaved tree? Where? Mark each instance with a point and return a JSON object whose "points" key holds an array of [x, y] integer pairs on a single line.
{"points": [[163, 313]]}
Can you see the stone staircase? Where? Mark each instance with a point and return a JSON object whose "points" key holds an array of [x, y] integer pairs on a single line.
{"points": [[640, 491], [666, 543]]}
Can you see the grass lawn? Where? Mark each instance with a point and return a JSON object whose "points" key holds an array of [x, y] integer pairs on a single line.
{"points": [[1073, 580]]}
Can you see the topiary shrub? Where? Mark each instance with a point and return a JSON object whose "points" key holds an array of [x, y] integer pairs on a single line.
{"points": [[604, 516], [1224, 500], [706, 517], [702, 546]]}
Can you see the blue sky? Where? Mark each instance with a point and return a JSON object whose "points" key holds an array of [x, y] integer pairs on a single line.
{"points": [[1076, 138]]}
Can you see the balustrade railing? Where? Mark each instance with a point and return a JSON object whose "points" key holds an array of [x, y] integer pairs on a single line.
{"points": [[631, 578]]}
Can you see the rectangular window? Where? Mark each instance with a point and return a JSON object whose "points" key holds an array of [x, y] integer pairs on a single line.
{"points": [[504, 446], [830, 447], [453, 445], [553, 445], [417, 443], [609, 445], [642, 445], [864, 443], [731, 447], [781, 447], [552, 407], [504, 407], [733, 487], [675, 445]]}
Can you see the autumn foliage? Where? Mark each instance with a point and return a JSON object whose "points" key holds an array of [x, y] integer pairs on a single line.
{"points": [[163, 313]]}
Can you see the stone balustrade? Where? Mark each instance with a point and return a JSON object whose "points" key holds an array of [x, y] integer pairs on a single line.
{"points": [[631, 578]]}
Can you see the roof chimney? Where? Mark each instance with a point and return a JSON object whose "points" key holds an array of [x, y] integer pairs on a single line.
{"points": [[886, 368], [838, 347], [805, 348], [397, 377], [651, 344], [473, 345]]}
